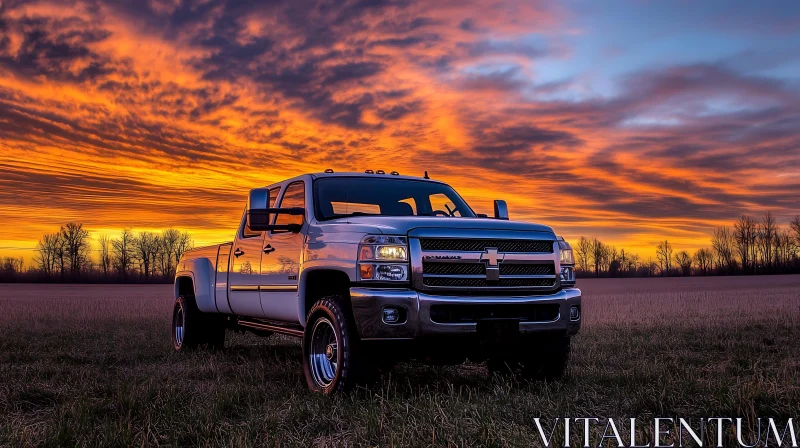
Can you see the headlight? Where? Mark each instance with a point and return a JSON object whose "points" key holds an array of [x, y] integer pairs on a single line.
{"points": [[566, 252], [380, 258]]}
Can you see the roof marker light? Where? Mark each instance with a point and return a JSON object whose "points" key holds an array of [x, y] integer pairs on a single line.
{"points": [[394, 173], [380, 172], [328, 170], [369, 172]]}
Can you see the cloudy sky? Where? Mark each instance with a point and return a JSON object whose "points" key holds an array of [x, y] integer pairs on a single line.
{"points": [[631, 121]]}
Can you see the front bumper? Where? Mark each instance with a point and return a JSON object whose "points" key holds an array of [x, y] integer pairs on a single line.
{"points": [[368, 305]]}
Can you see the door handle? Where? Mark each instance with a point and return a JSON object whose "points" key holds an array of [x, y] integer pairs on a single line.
{"points": [[269, 249], [238, 252]]}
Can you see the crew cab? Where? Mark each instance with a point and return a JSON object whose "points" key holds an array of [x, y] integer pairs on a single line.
{"points": [[373, 268]]}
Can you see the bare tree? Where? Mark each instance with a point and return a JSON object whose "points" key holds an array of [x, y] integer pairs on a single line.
{"points": [[583, 251], [633, 263], [794, 225], [184, 243], [143, 247], [723, 244], [684, 260], [169, 243], [664, 255], [123, 252], [76, 246], [105, 253], [623, 261], [703, 258], [766, 237], [785, 248], [46, 250], [598, 255], [10, 267], [744, 231]]}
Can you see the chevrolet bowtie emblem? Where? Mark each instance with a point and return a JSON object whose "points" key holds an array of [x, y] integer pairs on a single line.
{"points": [[493, 260], [492, 256]]}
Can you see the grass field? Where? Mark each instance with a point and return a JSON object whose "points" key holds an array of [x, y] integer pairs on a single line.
{"points": [[93, 365]]}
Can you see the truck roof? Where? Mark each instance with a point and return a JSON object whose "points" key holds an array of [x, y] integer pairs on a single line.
{"points": [[372, 176]]}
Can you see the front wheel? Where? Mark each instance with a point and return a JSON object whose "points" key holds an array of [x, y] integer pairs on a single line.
{"points": [[329, 348]]}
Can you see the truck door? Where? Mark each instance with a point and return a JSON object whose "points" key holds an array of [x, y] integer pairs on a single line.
{"points": [[245, 274], [280, 264]]}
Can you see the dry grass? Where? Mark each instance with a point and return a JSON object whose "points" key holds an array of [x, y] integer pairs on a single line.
{"points": [[92, 365]]}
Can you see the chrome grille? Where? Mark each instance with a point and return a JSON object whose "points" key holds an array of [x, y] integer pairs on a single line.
{"points": [[480, 245], [454, 268], [443, 262], [527, 269]]}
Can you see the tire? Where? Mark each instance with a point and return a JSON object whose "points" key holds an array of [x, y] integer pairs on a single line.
{"points": [[330, 347], [192, 328]]}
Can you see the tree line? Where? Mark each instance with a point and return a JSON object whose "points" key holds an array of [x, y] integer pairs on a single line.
{"points": [[749, 246], [66, 256]]}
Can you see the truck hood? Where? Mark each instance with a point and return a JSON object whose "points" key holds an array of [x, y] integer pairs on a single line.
{"points": [[403, 225]]}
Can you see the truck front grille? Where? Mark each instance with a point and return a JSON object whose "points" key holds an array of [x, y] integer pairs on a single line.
{"points": [[480, 269], [480, 245], [448, 264]]}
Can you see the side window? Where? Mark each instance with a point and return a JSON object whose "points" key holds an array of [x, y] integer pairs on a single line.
{"points": [[295, 196], [441, 202], [246, 232]]}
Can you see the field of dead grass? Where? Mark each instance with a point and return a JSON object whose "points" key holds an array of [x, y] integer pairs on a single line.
{"points": [[92, 365]]}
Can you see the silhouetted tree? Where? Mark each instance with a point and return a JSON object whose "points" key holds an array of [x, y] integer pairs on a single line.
{"points": [[794, 226], [703, 258], [766, 239], [598, 255], [684, 260], [664, 255], [76, 246], [583, 252], [745, 235], [105, 254], [144, 246], [723, 243], [123, 252]]}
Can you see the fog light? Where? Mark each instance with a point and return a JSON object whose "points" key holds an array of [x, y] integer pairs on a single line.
{"points": [[567, 274], [574, 313], [391, 315]]}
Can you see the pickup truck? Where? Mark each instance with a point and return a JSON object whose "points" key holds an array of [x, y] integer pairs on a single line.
{"points": [[374, 268]]}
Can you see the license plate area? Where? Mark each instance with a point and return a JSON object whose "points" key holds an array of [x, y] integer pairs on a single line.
{"points": [[498, 330]]}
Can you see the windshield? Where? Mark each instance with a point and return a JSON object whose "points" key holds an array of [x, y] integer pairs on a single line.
{"points": [[338, 197]]}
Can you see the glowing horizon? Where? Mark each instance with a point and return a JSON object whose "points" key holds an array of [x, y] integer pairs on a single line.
{"points": [[632, 122]]}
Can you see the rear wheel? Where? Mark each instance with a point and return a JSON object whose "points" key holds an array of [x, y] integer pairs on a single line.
{"points": [[330, 346], [192, 328]]}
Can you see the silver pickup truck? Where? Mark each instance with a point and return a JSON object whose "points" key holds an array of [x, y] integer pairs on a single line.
{"points": [[374, 268]]}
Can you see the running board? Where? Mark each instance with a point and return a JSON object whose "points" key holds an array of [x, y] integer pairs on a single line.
{"points": [[275, 328]]}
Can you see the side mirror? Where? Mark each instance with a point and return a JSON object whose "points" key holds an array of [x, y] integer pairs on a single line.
{"points": [[259, 213], [500, 209], [258, 216]]}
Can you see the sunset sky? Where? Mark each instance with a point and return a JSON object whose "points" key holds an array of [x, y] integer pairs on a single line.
{"points": [[630, 121]]}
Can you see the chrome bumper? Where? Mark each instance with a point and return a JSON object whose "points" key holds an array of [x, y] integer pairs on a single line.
{"points": [[368, 305]]}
